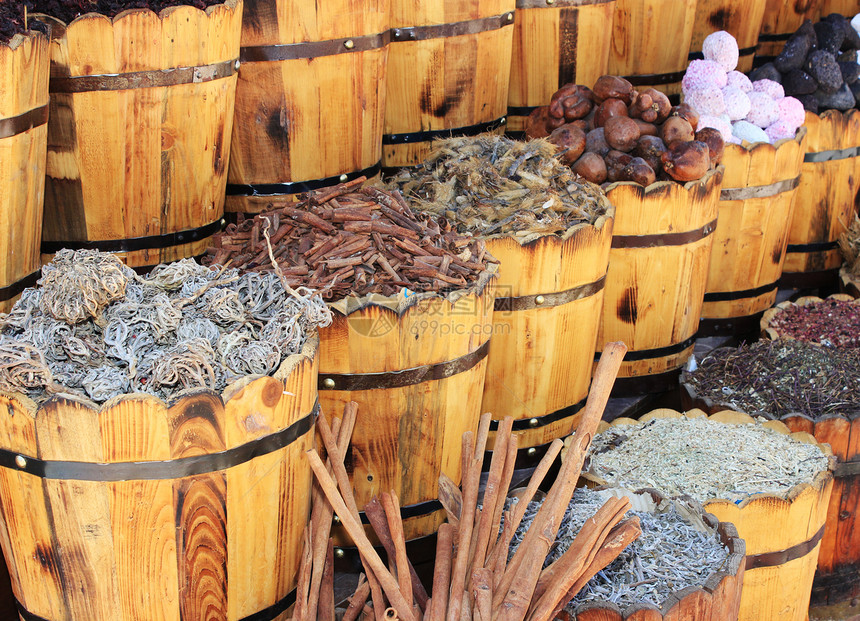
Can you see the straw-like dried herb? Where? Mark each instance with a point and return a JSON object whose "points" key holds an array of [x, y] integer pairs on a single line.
{"points": [[829, 322], [68, 10], [493, 185], [95, 329], [849, 245], [775, 378]]}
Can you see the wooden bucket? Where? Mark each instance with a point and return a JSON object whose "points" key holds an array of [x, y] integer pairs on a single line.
{"points": [[547, 312], [448, 73], [416, 366], [781, 19], [826, 199], [138, 510], [139, 132], [24, 70], [556, 42], [718, 599], [310, 98], [756, 204], [661, 246], [739, 18], [849, 284], [639, 49], [782, 534]]}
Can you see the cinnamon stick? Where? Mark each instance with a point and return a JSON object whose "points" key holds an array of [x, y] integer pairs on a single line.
{"points": [[441, 574], [391, 504], [358, 599], [326, 605]]}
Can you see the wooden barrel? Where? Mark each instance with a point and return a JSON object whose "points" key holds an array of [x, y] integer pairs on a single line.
{"points": [[826, 199], [415, 365], [24, 70], [310, 98], [781, 19], [448, 73], [547, 312], [661, 246], [137, 510], [720, 594], [783, 534], [640, 50], [755, 208], [849, 284], [739, 18], [139, 131], [556, 42]]}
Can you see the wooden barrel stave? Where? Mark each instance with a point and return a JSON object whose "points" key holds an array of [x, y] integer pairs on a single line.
{"points": [[740, 19], [848, 8], [781, 19]]}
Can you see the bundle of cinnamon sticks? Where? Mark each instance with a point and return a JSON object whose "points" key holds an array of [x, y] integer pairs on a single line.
{"points": [[473, 578], [352, 240]]}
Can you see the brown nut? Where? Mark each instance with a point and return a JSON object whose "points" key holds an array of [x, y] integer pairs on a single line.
{"points": [[536, 123], [608, 109], [676, 129], [615, 163], [613, 87], [650, 149], [651, 106], [595, 142], [646, 129], [687, 161], [716, 145], [639, 171], [570, 141], [591, 167], [576, 106], [686, 112], [571, 89], [621, 133]]}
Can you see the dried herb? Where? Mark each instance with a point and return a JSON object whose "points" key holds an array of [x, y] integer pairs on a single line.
{"points": [[849, 245], [14, 20], [775, 378], [493, 185], [834, 323], [68, 10]]}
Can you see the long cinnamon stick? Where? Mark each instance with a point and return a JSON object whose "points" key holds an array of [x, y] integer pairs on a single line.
{"points": [[358, 599], [304, 576], [391, 505], [491, 493], [326, 605]]}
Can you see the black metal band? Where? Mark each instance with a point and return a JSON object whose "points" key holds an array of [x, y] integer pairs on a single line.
{"points": [[833, 155], [299, 187], [144, 79], [759, 191], [655, 78], [523, 424], [728, 296], [15, 125], [813, 247], [440, 134], [659, 352], [406, 377], [774, 559], [729, 326], [664, 239], [817, 279], [151, 242], [454, 29], [521, 110], [767, 38], [313, 49], [411, 511], [160, 470], [267, 614], [10, 291], [744, 51], [549, 300], [846, 469], [637, 385]]}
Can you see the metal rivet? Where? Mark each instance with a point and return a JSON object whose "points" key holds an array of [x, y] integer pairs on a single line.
{"points": [[349, 44], [412, 35], [343, 178], [328, 383], [20, 461], [336, 520], [396, 33], [533, 422], [503, 120], [532, 452], [510, 17], [338, 553], [539, 299], [236, 64], [550, 1]]}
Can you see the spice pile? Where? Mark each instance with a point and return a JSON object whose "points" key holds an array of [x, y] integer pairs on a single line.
{"points": [[348, 240], [703, 459], [775, 378], [671, 554], [615, 133], [68, 10], [14, 21], [830, 322], [95, 329], [492, 185], [849, 246]]}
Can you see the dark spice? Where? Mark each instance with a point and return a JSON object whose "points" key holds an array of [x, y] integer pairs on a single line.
{"points": [[14, 21], [829, 322], [68, 10], [775, 378]]}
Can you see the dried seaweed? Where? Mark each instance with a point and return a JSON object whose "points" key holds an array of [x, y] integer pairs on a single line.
{"points": [[95, 329], [493, 185]]}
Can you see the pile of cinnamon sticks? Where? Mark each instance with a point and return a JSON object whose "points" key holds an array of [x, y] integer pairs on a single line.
{"points": [[473, 577], [351, 240]]}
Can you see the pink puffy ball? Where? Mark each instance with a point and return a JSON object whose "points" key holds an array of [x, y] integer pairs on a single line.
{"points": [[763, 109], [722, 48], [707, 101], [791, 111], [702, 73], [722, 126], [779, 130], [738, 80], [770, 88], [737, 103]]}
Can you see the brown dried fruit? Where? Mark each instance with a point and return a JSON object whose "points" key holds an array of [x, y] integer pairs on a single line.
{"points": [[639, 171], [621, 133], [615, 163], [554, 123], [687, 161], [647, 129], [608, 109], [650, 149], [686, 112], [571, 142], [611, 86], [576, 107], [581, 124], [676, 129], [591, 167], [651, 106], [595, 142], [716, 145], [536, 123]]}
